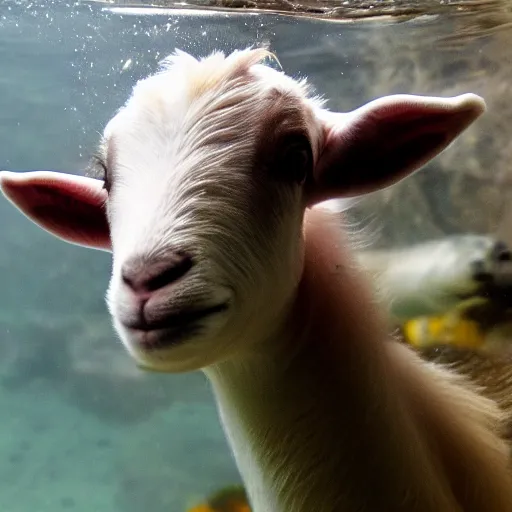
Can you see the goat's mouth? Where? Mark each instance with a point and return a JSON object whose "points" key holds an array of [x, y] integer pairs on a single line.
{"points": [[174, 329]]}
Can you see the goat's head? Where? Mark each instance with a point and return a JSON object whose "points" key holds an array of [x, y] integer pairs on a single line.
{"points": [[208, 170]]}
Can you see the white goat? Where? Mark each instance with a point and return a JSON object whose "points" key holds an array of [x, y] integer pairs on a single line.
{"points": [[222, 263]]}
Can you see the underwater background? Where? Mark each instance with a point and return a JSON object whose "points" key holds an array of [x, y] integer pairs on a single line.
{"points": [[82, 429]]}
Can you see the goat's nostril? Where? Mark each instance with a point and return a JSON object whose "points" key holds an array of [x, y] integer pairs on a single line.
{"points": [[179, 267], [146, 275]]}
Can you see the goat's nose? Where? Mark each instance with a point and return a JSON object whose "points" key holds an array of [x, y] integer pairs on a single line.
{"points": [[146, 275]]}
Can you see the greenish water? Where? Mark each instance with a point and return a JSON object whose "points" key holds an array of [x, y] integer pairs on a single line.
{"points": [[82, 429]]}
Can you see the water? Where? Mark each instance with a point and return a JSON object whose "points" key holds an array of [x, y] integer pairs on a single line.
{"points": [[82, 429]]}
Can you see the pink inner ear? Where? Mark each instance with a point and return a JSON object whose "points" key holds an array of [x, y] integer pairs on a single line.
{"points": [[70, 207], [387, 139]]}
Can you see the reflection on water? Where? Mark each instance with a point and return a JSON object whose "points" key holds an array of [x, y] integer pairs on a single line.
{"points": [[82, 429]]}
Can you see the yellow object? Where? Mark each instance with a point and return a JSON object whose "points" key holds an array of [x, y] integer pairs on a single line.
{"points": [[449, 329], [228, 499], [233, 507]]}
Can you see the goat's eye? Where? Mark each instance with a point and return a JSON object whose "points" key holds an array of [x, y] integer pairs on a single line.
{"points": [[296, 159], [106, 181], [106, 175], [100, 170]]}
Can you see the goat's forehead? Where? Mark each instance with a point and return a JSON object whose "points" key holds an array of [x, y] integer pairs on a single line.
{"points": [[169, 95]]}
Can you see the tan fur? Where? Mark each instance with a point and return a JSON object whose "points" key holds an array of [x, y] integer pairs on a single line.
{"points": [[216, 70], [339, 419], [491, 371]]}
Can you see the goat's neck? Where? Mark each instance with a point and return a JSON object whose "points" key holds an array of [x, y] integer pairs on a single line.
{"points": [[339, 419]]}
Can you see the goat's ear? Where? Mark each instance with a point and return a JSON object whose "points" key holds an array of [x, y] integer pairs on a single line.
{"points": [[70, 207], [386, 140]]}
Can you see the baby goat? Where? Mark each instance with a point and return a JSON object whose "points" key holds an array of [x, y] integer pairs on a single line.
{"points": [[222, 262]]}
